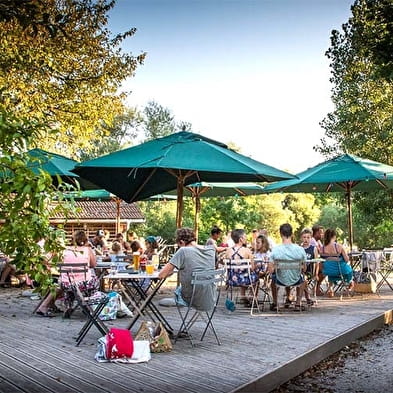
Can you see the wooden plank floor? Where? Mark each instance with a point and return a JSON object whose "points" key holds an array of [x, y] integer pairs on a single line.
{"points": [[39, 354]]}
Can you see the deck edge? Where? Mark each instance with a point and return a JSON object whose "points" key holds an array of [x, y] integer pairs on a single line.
{"points": [[267, 382]]}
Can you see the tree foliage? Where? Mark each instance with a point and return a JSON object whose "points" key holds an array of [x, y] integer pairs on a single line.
{"points": [[362, 120], [66, 76], [361, 123], [159, 121], [25, 198]]}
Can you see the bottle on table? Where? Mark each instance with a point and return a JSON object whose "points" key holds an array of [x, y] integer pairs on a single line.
{"points": [[155, 260]]}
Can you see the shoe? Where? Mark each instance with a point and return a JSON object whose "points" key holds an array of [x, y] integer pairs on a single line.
{"points": [[273, 307], [330, 293], [299, 308], [48, 314], [320, 292], [310, 302], [287, 303]]}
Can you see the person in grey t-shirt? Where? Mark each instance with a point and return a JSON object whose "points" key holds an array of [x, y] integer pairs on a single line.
{"points": [[190, 258]]}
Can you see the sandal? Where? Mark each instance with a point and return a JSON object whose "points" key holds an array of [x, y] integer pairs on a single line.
{"points": [[299, 308], [330, 293], [287, 303], [310, 302], [48, 314]]}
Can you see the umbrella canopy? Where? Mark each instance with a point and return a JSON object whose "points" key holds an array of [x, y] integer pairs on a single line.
{"points": [[343, 173], [57, 165], [54, 164], [171, 162]]}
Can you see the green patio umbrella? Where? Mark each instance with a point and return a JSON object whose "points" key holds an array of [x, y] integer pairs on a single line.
{"points": [[56, 166], [344, 173], [172, 162], [207, 190]]}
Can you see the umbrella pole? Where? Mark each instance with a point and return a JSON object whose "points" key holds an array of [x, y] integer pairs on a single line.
{"points": [[180, 204], [196, 218], [349, 208], [117, 215]]}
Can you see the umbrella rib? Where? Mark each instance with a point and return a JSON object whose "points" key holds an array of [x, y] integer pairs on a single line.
{"points": [[381, 183], [242, 193], [144, 183]]}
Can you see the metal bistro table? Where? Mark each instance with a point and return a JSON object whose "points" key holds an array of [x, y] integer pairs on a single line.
{"points": [[140, 296]]}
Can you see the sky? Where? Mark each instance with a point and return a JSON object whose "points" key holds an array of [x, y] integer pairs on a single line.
{"points": [[250, 72]]}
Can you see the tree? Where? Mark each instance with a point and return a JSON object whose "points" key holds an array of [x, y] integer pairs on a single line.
{"points": [[24, 200], [119, 135], [66, 76], [159, 121], [361, 122], [361, 64]]}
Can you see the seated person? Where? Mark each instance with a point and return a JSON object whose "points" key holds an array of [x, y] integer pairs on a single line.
{"points": [[98, 242], [124, 245], [80, 252], [335, 266], [7, 271], [151, 246], [115, 250], [189, 258], [261, 254], [240, 277], [287, 251]]}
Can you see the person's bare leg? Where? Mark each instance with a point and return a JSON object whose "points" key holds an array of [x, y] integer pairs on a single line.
{"points": [[274, 292], [4, 274], [299, 292]]}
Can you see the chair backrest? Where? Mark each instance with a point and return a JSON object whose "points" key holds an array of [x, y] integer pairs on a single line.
{"points": [[371, 260], [237, 265], [288, 272], [206, 286], [73, 270]]}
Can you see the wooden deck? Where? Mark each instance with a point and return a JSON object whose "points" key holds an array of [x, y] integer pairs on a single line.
{"points": [[257, 353]]}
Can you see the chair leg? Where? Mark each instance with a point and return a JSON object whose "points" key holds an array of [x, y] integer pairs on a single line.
{"points": [[211, 326], [93, 319]]}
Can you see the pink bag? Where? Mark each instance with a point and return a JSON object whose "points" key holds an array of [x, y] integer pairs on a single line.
{"points": [[119, 344]]}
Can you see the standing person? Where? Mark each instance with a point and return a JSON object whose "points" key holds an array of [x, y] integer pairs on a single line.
{"points": [[189, 258], [316, 241], [336, 266], [240, 277], [287, 251], [215, 234], [317, 236], [311, 253]]}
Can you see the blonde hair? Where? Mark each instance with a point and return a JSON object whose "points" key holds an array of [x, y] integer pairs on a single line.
{"points": [[116, 247]]}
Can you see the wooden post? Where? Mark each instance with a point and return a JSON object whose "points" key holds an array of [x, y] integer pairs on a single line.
{"points": [[180, 203], [349, 208]]}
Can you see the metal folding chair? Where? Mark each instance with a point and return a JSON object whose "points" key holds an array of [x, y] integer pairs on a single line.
{"points": [[244, 267], [191, 314], [295, 266], [90, 305]]}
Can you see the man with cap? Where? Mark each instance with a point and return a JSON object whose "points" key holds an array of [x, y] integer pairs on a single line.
{"points": [[98, 242]]}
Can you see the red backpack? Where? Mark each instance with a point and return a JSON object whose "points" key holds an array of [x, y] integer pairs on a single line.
{"points": [[119, 344]]}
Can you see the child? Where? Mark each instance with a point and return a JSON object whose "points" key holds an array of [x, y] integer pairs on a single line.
{"points": [[312, 253], [261, 254]]}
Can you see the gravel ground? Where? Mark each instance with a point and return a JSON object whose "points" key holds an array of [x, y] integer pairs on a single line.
{"points": [[365, 366]]}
